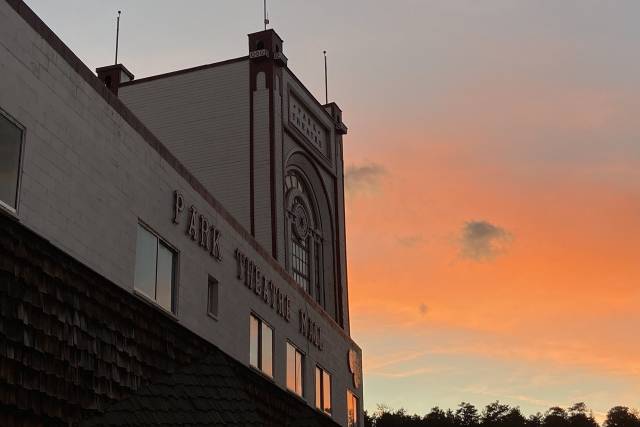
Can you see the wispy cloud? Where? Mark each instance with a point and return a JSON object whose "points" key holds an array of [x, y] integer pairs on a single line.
{"points": [[483, 241], [408, 373], [410, 241], [423, 309], [373, 363], [364, 179]]}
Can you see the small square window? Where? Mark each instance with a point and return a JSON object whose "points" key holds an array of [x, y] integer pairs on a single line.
{"points": [[11, 135], [212, 298]]}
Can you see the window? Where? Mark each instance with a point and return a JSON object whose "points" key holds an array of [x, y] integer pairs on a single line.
{"points": [[294, 370], [323, 390], [300, 263], [10, 150], [352, 409], [155, 269], [261, 346], [317, 270], [212, 297], [304, 237]]}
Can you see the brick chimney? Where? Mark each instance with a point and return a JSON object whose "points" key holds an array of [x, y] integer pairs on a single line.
{"points": [[113, 76]]}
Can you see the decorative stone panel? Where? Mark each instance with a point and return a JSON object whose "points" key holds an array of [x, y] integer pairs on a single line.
{"points": [[306, 123]]}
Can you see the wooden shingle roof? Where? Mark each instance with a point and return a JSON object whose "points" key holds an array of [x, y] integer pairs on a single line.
{"points": [[78, 350]]}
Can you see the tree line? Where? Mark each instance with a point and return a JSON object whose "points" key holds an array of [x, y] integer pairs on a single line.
{"points": [[497, 414]]}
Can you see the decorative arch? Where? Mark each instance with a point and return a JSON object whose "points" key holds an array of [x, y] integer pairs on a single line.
{"points": [[310, 248]]}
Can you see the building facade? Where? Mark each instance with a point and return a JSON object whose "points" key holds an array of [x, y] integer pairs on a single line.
{"points": [[211, 198]]}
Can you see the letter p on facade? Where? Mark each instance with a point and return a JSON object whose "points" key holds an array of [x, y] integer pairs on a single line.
{"points": [[178, 206]]}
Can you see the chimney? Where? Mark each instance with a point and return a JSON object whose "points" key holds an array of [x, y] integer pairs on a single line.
{"points": [[336, 114], [113, 76], [267, 44]]}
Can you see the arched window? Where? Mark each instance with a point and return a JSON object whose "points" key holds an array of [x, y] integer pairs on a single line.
{"points": [[304, 236]]}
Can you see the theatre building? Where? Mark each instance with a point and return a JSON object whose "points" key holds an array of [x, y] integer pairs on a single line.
{"points": [[172, 248]]}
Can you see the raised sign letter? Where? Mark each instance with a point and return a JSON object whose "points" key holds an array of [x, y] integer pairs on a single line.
{"points": [[193, 224], [178, 205], [204, 232]]}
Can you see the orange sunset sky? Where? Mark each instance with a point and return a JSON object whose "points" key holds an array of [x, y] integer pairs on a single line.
{"points": [[493, 179]]}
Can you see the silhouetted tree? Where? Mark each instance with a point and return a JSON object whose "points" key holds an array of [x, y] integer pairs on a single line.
{"points": [[535, 420], [497, 414], [398, 418], [514, 418], [494, 414], [368, 420], [439, 418], [580, 416], [621, 416], [555, 417], [467, 415]]}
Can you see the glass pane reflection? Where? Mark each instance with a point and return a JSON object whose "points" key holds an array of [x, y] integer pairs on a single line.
{"points": [[326, 395], [146, 255], [253, 342], [267, 350], [298, 373], [10, 146], [164, 287], [291, 367], [318, 388]]}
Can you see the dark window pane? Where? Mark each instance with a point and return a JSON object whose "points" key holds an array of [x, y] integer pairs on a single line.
{"points": [[267, 350], [164, 287], [146, 255], [212, 301], [253, 341], [10, 145], [300, 263], [317, 267]]}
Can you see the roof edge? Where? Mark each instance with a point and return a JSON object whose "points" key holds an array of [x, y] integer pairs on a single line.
{"points": [[185, 71]]}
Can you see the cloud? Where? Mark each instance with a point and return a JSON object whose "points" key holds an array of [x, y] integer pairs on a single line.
{"points": [[408, 373], [364, 179], [411, 240], [482, 241]]}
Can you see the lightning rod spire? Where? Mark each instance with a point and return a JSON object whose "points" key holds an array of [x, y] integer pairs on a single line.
{"points": [[117, 34], [326, 85], [266, 18]]}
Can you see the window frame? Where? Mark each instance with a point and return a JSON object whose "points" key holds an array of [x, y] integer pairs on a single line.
{"points": [[298, 191], [297, 352], [260, 368], [319, 398], [352, 397], [173, 312], [216, 284], [301, 255], [23, 137]]}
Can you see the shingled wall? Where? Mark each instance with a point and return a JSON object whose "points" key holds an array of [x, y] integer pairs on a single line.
{"points": [[71, 342], [74, 346]]}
